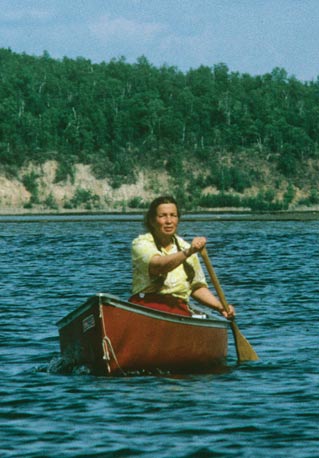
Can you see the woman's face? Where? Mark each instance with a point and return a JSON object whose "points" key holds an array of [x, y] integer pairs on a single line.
{"points": [[166, 220]]}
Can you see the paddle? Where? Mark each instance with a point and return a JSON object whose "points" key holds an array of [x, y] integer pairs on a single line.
{"points": [[245, 351]]}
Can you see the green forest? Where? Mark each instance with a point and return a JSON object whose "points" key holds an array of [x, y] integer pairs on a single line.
{"points": [[204, 127]]}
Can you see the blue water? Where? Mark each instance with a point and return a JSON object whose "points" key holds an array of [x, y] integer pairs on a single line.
{"points": [[269, 270]]}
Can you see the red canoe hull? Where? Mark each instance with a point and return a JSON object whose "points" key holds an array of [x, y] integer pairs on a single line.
{"points": [[114, 337]]}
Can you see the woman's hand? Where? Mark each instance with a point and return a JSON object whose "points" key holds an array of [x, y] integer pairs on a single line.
{"points": [[197, 245], [230, 315]]}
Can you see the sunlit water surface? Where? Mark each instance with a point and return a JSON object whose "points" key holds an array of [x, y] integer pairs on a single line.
{"points": [[269, 270]]}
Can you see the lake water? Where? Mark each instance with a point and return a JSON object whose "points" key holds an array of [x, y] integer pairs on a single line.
{"points": [[269, 270]]}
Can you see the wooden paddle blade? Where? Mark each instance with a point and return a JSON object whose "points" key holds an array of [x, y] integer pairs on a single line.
{"points": [[245, 351]]}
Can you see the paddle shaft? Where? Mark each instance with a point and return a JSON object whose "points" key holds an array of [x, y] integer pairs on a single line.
{"points": [[214, 279], [244, 350]]}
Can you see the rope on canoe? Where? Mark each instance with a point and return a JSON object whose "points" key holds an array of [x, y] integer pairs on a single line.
{"points": [[108, 347], [107, 344]]}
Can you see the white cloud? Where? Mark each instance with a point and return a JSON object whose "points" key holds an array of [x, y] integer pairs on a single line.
{"points": [[20, 15], [125, 30]]}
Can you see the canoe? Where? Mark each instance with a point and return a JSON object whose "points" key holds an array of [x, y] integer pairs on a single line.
{"points": [[111, 336]]}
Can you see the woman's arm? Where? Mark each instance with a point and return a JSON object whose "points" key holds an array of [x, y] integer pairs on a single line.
{"points": [[206, 297], [161, 265]]}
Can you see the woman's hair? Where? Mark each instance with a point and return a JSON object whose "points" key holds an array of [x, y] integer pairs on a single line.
{"points": [[152, 211]]}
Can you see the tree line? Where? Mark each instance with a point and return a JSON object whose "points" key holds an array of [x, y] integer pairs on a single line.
{"points": [[120, 117]]}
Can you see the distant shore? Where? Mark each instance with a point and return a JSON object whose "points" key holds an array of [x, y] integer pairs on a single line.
{"points": [[23, 215]]}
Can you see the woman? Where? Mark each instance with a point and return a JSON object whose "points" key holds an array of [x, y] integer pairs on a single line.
{"points": [[166, 269]]}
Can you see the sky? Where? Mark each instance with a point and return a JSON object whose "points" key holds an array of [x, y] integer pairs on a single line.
{"points": [[249, 36]]}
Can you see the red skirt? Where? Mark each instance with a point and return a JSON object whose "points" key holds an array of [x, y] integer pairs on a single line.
{"points": [[164, 302]]}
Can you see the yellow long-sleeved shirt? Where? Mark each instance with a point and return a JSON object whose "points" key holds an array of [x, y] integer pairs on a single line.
{"points": [[174, 282]]}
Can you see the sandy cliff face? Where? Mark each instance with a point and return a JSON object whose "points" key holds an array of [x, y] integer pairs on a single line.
{"points": [[12, 193], [82, 192], [35, 189]]}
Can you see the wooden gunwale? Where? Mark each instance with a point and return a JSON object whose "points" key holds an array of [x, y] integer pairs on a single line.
{"points": [[110, 300]]}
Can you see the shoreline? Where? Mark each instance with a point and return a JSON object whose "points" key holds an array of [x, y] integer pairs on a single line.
{"points": [[137, 215]]}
